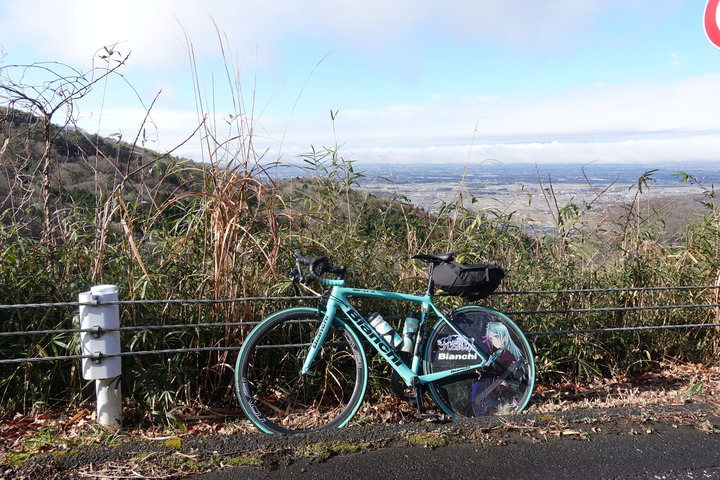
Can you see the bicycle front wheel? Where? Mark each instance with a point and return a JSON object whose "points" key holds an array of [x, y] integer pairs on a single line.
{"points": [[273, 393], [503, 387]]}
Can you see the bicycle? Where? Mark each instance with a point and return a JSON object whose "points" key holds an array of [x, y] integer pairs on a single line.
{"points": [[305, 369]]}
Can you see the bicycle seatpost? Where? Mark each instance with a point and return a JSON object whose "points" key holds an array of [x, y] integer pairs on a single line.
{"points": [[430, 285]]}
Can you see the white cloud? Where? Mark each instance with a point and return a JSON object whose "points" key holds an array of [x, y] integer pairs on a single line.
{"points": [[626, 123], [631, 122], [72, 31], [612, 112], [648, 151]]}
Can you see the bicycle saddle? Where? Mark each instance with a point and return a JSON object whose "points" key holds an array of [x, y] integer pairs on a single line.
{"points": [[435, 258]]}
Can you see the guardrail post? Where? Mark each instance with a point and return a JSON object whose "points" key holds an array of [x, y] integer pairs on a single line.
{"points": [[98, 343]]}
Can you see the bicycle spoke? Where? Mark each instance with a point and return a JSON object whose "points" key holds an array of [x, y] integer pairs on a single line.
{"points": [[276, 398]]}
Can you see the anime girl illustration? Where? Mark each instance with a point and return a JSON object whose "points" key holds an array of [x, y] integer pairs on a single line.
{"points": [[493, 393]]}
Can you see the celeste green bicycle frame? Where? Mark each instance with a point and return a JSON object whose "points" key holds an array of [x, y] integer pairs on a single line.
{"points": [[338, 300]]}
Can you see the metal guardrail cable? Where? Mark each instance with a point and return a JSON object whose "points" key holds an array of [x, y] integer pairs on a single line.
{"points": [[142, 302], [179, 326], [43, 359], [621, 329], [121, 354], [153, 302], [235, 349], [184, 326], [607, 290], [315, 298], [614, 309]]}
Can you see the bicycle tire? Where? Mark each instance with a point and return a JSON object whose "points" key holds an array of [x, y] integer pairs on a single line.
{"points": [[270, 389], [504, 387]]}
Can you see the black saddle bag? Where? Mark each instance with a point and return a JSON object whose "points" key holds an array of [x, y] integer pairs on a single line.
{"points": [[470, 282]]}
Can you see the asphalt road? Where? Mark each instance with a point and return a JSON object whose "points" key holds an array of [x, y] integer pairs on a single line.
{"points": [[663, 444]]}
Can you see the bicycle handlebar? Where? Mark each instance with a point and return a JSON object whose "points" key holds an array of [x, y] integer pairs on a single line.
{"points": [[319, 266]]}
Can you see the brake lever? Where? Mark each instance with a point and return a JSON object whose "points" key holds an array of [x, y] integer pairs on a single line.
{"points": [[298, 275]]}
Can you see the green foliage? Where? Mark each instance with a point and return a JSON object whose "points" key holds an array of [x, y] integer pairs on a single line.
{"points": [[162, 228]]}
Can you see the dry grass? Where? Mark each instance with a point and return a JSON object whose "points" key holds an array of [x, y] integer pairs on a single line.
{"points": [[671, 384]]}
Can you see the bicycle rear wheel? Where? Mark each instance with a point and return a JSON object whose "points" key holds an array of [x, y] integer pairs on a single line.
{"points": [[503, 387], [273, 393]]}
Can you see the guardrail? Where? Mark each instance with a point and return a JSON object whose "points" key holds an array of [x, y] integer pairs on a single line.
{"points": [[99, 318]]}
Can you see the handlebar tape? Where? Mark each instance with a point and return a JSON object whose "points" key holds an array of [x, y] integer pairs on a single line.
{"points": [[319, 266]]}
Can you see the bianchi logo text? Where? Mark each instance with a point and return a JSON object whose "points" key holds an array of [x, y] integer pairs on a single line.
{"points": [[456, 356], [459, 346]]}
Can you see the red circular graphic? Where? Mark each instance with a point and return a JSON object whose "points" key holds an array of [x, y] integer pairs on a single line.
{"points": [[711, 22]]}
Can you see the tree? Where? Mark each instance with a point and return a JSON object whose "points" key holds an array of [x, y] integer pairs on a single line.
{"points": [[46, 90]]}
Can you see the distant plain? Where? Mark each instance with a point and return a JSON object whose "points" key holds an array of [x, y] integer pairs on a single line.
{"points": [[535, 193]]}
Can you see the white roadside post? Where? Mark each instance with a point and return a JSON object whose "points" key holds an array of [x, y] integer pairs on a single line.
{"points": [[99, 343]]}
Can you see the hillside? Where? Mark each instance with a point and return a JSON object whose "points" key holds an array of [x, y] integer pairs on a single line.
{"points": [[84, 169]]}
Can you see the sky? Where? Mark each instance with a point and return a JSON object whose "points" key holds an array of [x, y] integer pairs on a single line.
{"points": [[391, 81]]}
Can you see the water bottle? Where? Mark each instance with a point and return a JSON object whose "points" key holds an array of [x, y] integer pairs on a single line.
{"points": [[385, 330], [409, 333]]}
